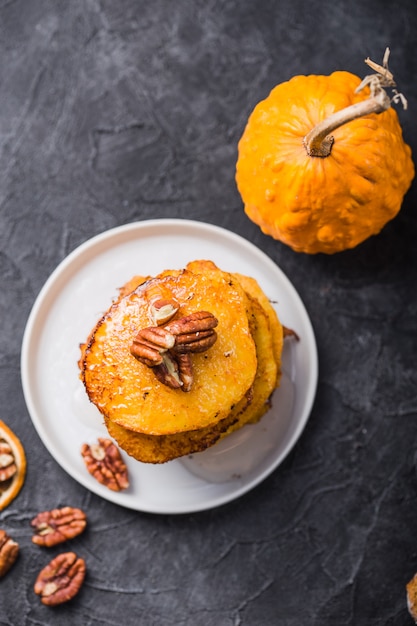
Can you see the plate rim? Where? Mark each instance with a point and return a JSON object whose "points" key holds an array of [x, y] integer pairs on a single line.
{"points": [[137, 227]]}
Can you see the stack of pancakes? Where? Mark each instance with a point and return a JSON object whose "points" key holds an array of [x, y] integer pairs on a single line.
{"points": [[232, 381]]}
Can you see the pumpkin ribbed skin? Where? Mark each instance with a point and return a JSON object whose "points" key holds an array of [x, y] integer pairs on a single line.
{"points": [[321, 204]]}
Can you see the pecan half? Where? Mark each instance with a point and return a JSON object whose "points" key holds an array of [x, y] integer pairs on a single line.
{"points": [[9, 551], [59, 525], [167, 372], [61, 579], [104, 462], [185, 370], [162, 310], [194, 332], [150, 344], [175, 371]]}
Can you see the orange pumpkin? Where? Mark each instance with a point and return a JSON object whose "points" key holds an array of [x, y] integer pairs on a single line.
{"points": [[322, 164]]}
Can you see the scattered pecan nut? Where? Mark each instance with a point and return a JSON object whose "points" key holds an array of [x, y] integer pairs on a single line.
{"points": [[9, 551], [104, 462], [59, 525], [167, 348], [61, 579]]}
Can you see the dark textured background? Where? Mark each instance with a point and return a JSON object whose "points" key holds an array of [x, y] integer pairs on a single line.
{"points": [[117, 111]]}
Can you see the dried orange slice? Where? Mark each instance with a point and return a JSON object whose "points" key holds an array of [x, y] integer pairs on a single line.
{"points": [[12, 465]]}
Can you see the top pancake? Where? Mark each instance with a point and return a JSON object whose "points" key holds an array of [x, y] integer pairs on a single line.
{"points": [[128, 393]]}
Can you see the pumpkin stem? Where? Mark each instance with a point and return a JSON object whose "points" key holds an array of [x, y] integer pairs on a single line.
{"points": [[318, 142]]}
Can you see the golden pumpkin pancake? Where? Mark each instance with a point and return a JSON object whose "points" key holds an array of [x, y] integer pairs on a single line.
{"points": [[127, 392]]}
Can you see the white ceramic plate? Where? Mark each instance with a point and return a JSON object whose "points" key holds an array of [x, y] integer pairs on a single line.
{"points": [[81, 289]]}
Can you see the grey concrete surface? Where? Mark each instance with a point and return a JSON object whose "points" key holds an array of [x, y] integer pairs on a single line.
{"points": [[116, 112]]}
